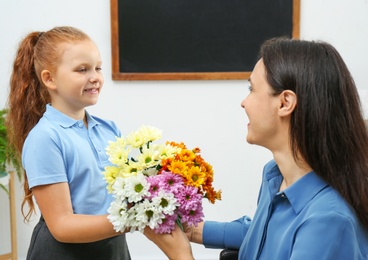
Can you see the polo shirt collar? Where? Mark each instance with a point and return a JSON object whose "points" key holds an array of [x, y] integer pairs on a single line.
{"points": [[63, 120]]}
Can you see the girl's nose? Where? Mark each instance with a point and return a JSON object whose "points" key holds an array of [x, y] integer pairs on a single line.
{"points": [[96, 77]]}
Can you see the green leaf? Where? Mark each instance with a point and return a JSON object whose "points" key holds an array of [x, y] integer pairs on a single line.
{"points": [[4, 188], [8, 154]]}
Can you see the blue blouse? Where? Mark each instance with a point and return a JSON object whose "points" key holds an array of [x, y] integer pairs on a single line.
{"points": [[308, 220], [61, 149]]}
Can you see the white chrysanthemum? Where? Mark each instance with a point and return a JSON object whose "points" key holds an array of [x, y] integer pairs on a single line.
{"points": [[118, 188], [147, 215], [166, 202], [150, 171], [135, 188], [154, 215], [118, 215]]}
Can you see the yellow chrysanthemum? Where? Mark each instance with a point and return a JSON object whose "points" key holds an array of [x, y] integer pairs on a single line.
{"points": [[195, 177], [110, 174], [168, 151], [178, 167], [143, 135], [118, 151], [150, 133], [129, 169], [135, 140], [148, 158], [186, 155]]}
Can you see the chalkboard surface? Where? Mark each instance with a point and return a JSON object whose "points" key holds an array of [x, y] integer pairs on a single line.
{"points": [[195, 39]]}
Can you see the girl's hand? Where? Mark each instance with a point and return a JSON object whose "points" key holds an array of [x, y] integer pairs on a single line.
{"points": [[176, 245]]}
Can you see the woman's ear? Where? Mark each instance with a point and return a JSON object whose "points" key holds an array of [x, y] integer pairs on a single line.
{"points": [[288, 102], [47, 79]]}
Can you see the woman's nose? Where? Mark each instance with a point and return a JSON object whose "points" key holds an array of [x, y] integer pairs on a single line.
{"points": [[242, 104]]}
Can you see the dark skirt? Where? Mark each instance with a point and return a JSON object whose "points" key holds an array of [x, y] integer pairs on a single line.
{"points": [[45, 247]]}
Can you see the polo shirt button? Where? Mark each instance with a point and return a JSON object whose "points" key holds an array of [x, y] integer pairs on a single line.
{"points": [[80, 125]]}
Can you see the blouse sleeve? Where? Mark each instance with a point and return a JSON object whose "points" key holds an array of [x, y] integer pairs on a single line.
{"points": [[225, 234]]}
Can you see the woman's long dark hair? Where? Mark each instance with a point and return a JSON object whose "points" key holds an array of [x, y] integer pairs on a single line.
{"points": [[327, 127]]}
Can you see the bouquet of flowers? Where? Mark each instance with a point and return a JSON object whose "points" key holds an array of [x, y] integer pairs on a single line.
{"points": [[156, 185]]}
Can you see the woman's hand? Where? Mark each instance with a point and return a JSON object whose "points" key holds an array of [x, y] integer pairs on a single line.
{"points": [[176, 245], [193, 233]]}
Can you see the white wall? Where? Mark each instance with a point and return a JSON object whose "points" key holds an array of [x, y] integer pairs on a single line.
{"points": [[200, 113]]}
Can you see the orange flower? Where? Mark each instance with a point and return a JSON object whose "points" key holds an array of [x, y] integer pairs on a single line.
{"points": [[195, 170], [180, 145], [186, 155]]}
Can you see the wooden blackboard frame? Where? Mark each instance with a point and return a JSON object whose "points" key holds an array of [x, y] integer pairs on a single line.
{"points": [[119, 75]]}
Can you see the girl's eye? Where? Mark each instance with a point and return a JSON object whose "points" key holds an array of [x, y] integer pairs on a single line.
{"points": [[98, 68], [250, 88], [82, 70]]}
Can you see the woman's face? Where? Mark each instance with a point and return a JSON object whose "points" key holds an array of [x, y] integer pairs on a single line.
{"points": [[261, 107]]}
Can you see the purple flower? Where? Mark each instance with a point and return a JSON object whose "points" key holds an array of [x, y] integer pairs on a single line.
{"points": [[167, 225], [192, 216], [171, 182], [190, 208], [155, 187]]}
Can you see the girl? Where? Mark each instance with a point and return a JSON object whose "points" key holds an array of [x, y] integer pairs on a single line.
{"points": [[56, 75], [313, 204]]}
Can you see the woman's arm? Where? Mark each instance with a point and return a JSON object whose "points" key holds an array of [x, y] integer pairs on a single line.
{"points": [[329, 236], [55, 204]]}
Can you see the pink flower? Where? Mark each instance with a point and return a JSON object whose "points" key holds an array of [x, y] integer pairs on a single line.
{"points": [[167, 225], [192, 216], [171, 182]]}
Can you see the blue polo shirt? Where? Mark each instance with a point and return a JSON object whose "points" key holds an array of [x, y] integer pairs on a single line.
{"points": [[308, 220], [61, 149]]}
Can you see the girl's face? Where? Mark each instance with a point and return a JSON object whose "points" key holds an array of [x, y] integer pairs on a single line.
{"points": [[261, 108], [78, 79]]}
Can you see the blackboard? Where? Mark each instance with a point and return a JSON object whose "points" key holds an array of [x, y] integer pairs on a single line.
{"points": [[195, 39]]}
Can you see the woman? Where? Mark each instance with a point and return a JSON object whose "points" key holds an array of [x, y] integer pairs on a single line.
{"points": [[304, 107]]}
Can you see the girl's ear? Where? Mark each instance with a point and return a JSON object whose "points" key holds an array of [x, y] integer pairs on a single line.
{"points": [[47, 79], [288, 102]]}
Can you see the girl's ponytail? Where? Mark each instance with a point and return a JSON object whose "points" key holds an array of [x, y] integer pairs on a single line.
{"points": [[27, 103]]}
